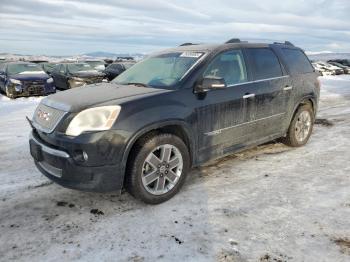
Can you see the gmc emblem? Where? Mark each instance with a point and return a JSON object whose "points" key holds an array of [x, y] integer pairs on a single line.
{"points": [[43, 115]]}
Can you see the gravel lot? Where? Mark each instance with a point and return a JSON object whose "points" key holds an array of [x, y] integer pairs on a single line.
{"points": [[271, 203]]}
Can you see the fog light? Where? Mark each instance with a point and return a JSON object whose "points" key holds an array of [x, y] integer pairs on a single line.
{"points": [[80, 156], [85, 156]]}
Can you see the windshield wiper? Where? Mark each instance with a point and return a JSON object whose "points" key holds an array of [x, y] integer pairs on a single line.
{"points": [[136, 84]]}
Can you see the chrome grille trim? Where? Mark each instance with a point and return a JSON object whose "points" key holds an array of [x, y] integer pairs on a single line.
{"points": [[55, 116]]}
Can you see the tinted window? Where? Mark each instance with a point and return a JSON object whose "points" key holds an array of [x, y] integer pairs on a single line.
{"points": [[228, 65], [297, 61], [265, 62]]}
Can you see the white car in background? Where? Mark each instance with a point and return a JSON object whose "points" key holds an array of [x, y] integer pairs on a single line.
{"points": [[322, 69], [332, 68]]}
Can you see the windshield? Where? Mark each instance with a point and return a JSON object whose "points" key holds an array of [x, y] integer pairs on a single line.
{"points": [[164, 70], [74, 68], [14, 69]]}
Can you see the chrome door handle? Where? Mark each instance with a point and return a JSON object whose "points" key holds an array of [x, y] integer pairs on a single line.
{"points": [[248, 96], [286, 88]]}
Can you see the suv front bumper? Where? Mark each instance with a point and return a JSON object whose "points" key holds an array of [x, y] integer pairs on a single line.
{"points": [[60, 167]]}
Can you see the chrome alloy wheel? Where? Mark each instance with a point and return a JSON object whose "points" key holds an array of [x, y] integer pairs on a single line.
{"points": [[162, 169], [303, 126]]}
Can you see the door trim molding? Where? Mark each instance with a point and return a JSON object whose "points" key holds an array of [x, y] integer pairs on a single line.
{"points": [[219, 131], [258, 81]]}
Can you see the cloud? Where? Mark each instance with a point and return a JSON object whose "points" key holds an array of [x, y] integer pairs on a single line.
{"points": [[74, 26]]}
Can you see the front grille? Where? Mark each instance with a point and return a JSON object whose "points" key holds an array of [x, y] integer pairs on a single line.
{"points": [[34, 87], [47, 118], [94, 80]]}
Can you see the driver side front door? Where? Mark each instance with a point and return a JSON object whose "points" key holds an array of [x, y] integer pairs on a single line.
{"points": [[223, 114]]}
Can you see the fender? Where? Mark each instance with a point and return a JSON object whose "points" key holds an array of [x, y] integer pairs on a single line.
{"points": [[157, 125], [296, 106]]}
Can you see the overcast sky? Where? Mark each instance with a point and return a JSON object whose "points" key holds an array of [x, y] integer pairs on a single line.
{"points": [[59, 27]]}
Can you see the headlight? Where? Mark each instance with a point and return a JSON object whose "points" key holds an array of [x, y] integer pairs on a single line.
{"points": [[50, 80], [93, 119], [15, 81]]}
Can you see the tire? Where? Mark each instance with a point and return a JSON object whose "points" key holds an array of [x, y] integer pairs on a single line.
{"points": [[143, 165], [295, 136]]}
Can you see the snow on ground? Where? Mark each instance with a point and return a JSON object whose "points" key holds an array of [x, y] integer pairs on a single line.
{"points": [[266, 204]]}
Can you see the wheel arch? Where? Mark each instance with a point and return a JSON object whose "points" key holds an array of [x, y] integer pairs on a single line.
{"points": [[177, 127], [305, 100]]}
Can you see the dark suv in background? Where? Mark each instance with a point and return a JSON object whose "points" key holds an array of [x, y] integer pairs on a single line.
{"points": [[24, 79], [174, 110], [71, 75], [116, 68]]}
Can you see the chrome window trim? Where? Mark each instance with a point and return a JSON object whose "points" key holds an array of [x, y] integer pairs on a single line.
{"points": [[49, 150], [219, 131], [258, 81], [195, 64]]}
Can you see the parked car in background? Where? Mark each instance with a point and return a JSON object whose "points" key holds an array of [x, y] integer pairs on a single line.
{"points": [[108, 61], [70, 75], [322, 69], [334, 69], [115, 69], [345, 62], [38, 61], [24, 79], [96, 64], [174, 110], [346, 69], [48, 67]]}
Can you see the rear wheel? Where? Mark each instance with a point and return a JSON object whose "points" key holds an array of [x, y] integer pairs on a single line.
{"points": [[157, 168], [301, 126]]}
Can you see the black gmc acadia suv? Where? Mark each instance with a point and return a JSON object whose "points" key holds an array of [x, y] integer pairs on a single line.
{"points": [[174, 110]]}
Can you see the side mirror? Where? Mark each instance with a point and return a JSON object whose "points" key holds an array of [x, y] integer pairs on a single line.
{"points": [[210, 83]]}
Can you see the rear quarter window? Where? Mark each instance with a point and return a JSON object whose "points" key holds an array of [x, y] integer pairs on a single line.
{"points": [[265, 62], [297, 62]]}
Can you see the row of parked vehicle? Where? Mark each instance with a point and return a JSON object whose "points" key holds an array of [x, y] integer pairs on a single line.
{"points": [[333, 67], [30, 78]]}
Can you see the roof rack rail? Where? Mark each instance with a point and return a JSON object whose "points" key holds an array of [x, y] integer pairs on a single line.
{"points": [[185, 44], [285, 43]]}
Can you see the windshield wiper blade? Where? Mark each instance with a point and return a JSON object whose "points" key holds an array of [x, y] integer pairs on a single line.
{"points": [[137, 84]]}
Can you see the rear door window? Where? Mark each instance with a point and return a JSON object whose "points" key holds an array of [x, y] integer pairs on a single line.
{"points": [[228, 65], [297, 61], [265, 62]]}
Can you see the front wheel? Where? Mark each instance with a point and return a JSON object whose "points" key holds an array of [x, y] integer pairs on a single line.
{"points": [[157, 168], [301, 126]]}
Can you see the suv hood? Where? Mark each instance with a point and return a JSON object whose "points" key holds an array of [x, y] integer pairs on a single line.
{"points": [[80, 98]]}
